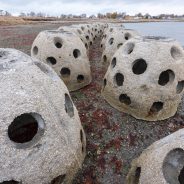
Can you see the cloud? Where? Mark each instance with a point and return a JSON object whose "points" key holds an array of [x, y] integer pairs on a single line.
{"points": [[58, 7]]}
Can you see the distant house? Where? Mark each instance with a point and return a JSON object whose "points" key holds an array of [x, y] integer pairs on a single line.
{"points": [[83, 16], [129, 17], [4, 13], [137, 18], [92, 17], [70, 16]]}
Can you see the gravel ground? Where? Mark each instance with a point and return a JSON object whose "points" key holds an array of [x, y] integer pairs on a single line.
{"points": [[114, 138]]}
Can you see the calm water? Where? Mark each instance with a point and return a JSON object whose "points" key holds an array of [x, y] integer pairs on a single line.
{"points": [[166, 29]]}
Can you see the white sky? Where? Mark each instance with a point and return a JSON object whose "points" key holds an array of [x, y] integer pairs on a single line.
{"points": [[58, 7]]}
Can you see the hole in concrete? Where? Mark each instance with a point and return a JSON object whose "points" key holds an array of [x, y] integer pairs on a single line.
{"points": [[82, 28], [35, 50], [105, 58], [111, 40], [166, 77], [87, 37], [25, 127], [10, 182], [173, 166], [137, 175], [91, 42], [80, 78], [81, 136], [86, 45], [127, 36], [156, 107], [180, 87], [58, 42], [82, 139], [119, 45], [65, 72], [119, 78], [105, 82], [129, 47], [59, 180], [76, 53], [123, 98], [113, 63], [176, 53], [101, 45], [79, 31], [139, 66], [69, 106], [181, 176], [51, 60]]}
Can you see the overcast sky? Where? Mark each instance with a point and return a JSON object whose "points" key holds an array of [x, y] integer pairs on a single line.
{"points": [[58, 7]]}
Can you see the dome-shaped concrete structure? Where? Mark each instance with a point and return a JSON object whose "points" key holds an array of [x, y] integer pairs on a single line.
{"points": [[162, 162], [146, 78], [42, 140], [65, 52], [114, 41]]}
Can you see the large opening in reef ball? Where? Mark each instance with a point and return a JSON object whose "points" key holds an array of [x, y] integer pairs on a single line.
{"points": [[51, 60], [58, 180], [23, 128], [119, 78], [69, 106], [173, 166], [65, 72], [166, 77], [139, 66]]}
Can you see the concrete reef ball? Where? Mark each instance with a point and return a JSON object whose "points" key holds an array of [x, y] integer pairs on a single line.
{"points": [[78, 31], [108, 31], [114, 41], [146, 78], [66, 54], [42, 140], [162, 162]]}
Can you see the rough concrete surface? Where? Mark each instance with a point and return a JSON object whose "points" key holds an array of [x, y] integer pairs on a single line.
{"points": [[162, 162], [145, 78], [114, 41], [114, 138], [66, 54], [41, 133]]}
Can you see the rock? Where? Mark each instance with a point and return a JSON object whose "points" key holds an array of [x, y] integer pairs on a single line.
{"points": [[65, 52], [42, 140], [146, 78], [162, 162]]}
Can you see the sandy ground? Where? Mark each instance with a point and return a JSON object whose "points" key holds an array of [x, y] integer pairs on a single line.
{"points": [[114, 138]]}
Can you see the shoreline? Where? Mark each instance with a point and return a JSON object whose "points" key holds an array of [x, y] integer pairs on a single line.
{"points": [[11, 21]]}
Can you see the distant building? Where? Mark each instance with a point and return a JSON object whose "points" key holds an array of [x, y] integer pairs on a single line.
{"points": [[92, 17], [83, 16]]}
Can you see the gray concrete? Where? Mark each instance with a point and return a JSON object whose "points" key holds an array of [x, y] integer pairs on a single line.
{"points": [[41, 134], [65, 52], [146, 79], [162, 162], [114, 41]]}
